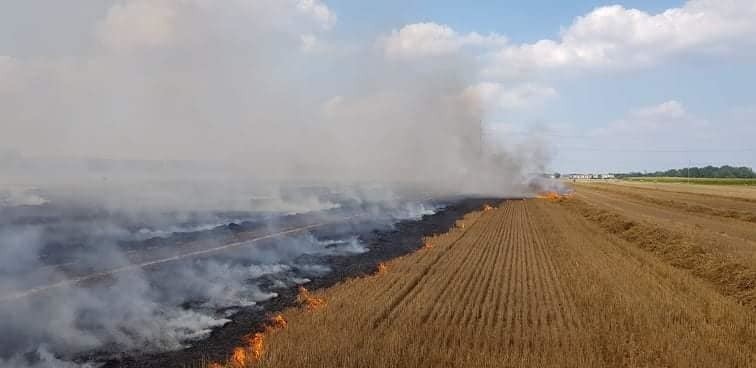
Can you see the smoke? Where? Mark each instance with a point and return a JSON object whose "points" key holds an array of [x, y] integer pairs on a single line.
{"points": [[42, 358], [164, 309], [232, 88], [175, 116]]}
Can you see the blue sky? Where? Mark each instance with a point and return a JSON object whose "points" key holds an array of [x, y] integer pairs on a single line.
{"points": [[711, 87], [604, 86], [522, 21]]}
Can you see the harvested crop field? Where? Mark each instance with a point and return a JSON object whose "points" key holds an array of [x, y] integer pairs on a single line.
{"points": [[740, 192], [611, 276]]}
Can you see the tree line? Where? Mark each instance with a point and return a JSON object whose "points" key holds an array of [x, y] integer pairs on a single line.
{"points": [[725, 171]]}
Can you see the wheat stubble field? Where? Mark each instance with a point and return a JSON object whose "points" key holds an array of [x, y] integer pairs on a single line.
{"points": [[612, 276]]}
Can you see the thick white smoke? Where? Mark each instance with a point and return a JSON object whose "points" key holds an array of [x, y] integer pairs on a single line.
{"points": [[171, 108], [235, 86], [139, 310]]}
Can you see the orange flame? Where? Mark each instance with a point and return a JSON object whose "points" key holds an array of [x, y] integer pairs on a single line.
{"points": [[310, 302], [382, 268], [244, 355], [256, 346], [277, 323], [552, 196], [427, 245], [238, 358], [487, 207]]}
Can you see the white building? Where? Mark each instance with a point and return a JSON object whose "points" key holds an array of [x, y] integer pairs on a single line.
{"points": [[590, 176]]}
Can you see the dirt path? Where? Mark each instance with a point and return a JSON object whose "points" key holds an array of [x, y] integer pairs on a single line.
{"points": [[530, 283]]}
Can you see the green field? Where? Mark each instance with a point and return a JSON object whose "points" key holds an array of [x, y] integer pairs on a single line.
{"points": [[709, 181]]}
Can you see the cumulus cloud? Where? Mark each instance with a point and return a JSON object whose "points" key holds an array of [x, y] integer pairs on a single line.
{"points": [[318, 11], [607, 38], [656, 123], [660, 136], [138, 24], [433, 39], [154, 23], [499, 96], [618, 37], [309, 42], [667, 110]]}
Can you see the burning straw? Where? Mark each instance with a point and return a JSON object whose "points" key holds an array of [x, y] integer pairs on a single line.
{"points": [[254, 346], [277, 323], [552, 196], [310, 302], [250, 353]]}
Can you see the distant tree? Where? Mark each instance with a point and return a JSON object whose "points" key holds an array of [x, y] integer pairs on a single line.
{"points": [[725, 171], [557, 175]]}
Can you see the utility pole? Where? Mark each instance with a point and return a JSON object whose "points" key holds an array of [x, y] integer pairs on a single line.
{"points": [[689, 163], [480, 139]]}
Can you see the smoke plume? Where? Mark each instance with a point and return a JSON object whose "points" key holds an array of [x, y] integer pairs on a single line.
{"points": [[244, 90], [177, 116]]}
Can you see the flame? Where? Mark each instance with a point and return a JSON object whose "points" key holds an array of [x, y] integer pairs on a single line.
{"points": [[552, 196], [238, 358], [277, 323], [427, 245], [256, 345], [382, 268], [310, 302], [487, 208]]}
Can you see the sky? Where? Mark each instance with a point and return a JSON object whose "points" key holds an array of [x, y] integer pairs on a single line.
{"points": [[606, 86]]}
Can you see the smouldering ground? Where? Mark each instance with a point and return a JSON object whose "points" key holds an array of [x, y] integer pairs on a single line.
{"points": [[613, 276]]}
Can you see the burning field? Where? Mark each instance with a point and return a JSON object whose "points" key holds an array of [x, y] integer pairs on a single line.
{"points": [[608, 276], [248, 334], [74, 294], [287, 183], [596, 275]]}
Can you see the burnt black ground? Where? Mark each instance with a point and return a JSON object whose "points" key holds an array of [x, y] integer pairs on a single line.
{"points": [[404, 238]]}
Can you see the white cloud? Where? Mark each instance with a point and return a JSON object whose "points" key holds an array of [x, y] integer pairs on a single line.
{"points": [[668, 110], [318, 11], [657, 123], [137, 24], [497, 96], [310, 42], [617, 37], [659, 137], [432, 39]]}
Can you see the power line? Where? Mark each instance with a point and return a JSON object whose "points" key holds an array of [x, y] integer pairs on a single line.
{"points": [[654, 150], [605, 149], [539, 134]]}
